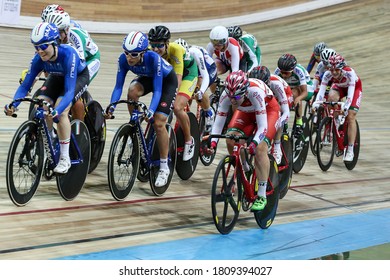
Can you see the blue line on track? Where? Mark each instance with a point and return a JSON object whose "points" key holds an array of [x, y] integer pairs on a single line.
{"points": [[294, 241]]}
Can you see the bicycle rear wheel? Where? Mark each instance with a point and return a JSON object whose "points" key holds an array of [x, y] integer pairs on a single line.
{"points": [[24, 163], [285, 167], [356, 148], [266, 217], [155, 159], [301, 147], [326, 144], [123, 162], [70, 184], [185, 169], [226, 195], [96, 124]]}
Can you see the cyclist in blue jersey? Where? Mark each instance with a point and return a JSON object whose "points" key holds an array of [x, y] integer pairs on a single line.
{"points": [[154, 74], [315, 56], [68, 80]]}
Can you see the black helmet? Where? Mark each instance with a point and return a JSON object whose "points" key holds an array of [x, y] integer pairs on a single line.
{"points": [[235, 31], [261, 73], [159, 33], [287, 62]]}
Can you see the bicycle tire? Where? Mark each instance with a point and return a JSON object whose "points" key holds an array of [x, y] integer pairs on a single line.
{"points": [[226, 195], [96, 124], [123, 161], [185, 169], [285, 175], [155, 159], [24, 163], [70, 184], [205, 158], [313, 130], [356, 148], [301, 147], [265, 218], [326, 144]]}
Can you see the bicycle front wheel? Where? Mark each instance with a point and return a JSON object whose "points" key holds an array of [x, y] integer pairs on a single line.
{"points": [[301, 147], [24, 163], [226, 195], [123, 162], [286, 165], [326, 144], [205, 158]]}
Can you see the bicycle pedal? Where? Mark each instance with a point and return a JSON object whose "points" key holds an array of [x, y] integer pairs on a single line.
{"points": [[339, 153]]}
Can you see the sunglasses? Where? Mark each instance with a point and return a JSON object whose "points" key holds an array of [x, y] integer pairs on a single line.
{"points": [[42, 47], [285, 72], [133, 54], [157, 45], [218, 42]]}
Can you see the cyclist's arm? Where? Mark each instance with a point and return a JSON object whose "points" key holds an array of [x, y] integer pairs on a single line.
{"points": [[221, 115], [324, 83], [278, 90], [311, 63], [120, 79], [352, 78], [176, 59], [199, 58], [236, 54], [157, 83], [210, 49]]}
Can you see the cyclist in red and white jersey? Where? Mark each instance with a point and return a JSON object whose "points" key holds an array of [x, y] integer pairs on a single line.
{"points": [[283, 94], [228, 52], [345, 83], [257, 113]]}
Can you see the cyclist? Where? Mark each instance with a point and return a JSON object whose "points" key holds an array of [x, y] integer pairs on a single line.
{"points": [[257, 113], [69, 79], [187, 76], [249, 44], [283, 94], [228, 52], [83, 43], [321, 67], [154, 75], [299, 81], [315, 56], [345, 83], [207, 73]]}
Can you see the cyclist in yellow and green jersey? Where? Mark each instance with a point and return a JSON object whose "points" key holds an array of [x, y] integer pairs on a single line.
{"points": [[187, 76]]}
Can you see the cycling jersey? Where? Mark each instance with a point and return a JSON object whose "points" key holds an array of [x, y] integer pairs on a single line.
{"points": [[299, 77], [231, 56], [349, 86], [251, 50], [183, 64], [87, 49], [207, 69], [67, 64], [258, 104], [283, 94], [152, 65], [320, 70], [311, 63]]}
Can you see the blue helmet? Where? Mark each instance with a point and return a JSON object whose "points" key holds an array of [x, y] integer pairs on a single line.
{"points": [[136, 41], [45, 33]]}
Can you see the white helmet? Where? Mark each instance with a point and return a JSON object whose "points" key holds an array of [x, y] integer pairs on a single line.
{"points": [[326, 54], [49, 9], [135, 41], [219, 35], [183, 43], [60, 19]]}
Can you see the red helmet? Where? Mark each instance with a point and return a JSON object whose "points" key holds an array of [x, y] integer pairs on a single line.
{"points": [[236, 83], [336, 62]]}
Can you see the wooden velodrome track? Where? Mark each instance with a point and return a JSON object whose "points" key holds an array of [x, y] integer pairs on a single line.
{"points": [[49, 227]]}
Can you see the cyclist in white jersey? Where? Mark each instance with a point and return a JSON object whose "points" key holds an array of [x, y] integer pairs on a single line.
{"points": [[84, 45], [207, 70], [299, 81]]}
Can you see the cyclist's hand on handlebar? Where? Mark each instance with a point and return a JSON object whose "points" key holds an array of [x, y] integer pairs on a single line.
{"points": [[252, 148], [199, 95], [53, 115], [109, 113], [149, 115], [9, 111], [23, 76], [211, 150]]}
